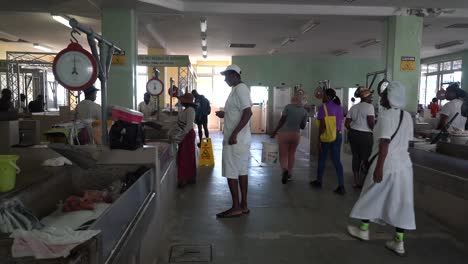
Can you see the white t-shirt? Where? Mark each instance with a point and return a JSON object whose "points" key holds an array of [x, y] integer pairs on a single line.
{"points": [[146, 109], [238, 100], [88, 110], [450, 109], [358, 114]]}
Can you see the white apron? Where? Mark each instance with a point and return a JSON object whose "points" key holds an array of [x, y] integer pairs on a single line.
{"points": [[236, 157], [390, 201]]}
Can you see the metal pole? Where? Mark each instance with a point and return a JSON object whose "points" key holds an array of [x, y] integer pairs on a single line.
{"points": [[170, 94], [157, 116], [18, 100], [75, 24], [104, 60]]}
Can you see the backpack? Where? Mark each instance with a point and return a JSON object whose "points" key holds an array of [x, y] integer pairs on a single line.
{"points": [[124, 135]]}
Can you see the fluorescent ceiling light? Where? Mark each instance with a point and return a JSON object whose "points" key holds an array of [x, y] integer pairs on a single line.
{"points": [[62, 20], [41, 47], [309, 26], [8, 36], [203, 42], [272, 51], [449, 44], [368, 42], [287, 40], [205, 53], [203, 25], [340, 52]]}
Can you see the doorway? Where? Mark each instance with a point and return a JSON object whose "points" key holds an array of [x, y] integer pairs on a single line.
{"points": [[259, 96]]}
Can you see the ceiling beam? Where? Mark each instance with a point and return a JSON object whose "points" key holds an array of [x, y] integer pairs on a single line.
{"points": [[289, 9], [177, 5], [286, 9]]}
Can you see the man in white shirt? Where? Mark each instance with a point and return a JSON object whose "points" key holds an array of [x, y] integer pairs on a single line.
{"points": [[454, 95], [87, 109], [236, 143], [146, 107]]}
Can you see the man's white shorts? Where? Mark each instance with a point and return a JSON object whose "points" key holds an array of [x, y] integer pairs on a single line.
{"points": [[235, 160]]}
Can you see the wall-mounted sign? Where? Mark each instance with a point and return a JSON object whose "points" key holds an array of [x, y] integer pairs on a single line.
{"points": [[118, 60], [408, 63], [164, 60]]}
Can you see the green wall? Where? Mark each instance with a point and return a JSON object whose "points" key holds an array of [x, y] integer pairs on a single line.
{"points": [[463, 55], [274, 70]]}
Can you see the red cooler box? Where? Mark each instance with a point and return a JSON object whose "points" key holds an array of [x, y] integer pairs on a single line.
{"points": [[127, 115]]}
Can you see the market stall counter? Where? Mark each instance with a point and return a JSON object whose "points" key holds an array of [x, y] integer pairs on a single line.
{"points": [[125, 195], [441, 183]]}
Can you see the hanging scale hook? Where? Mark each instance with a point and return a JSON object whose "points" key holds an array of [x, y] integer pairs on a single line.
{"points": [[73, 38]]}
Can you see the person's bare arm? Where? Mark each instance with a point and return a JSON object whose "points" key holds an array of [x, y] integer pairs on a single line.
{"points": [[246, 114], [371, 122], [280, 125], [443, 120], [384, 143], [348, 123]]}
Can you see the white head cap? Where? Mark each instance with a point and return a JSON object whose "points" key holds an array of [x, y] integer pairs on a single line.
{"points": [[232, 67], [396, 93]]}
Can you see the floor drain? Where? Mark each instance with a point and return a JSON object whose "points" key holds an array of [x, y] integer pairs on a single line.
{"points": [[190, 253]]}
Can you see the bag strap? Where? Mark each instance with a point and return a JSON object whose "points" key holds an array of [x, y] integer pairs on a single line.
{"points": [[393, 136], [325, 109]]}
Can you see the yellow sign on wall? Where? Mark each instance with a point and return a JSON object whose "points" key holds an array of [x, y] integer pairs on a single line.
{"points": [[408, 63], [118, 60]]}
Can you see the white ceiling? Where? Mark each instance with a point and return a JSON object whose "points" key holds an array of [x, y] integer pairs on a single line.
{"points": [[179, 32], [399, 3]]}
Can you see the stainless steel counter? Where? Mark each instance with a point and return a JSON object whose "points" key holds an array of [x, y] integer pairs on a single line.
{"points": [[125, 224], [441, 188]]}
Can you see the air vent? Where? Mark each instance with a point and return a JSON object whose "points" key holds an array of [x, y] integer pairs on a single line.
{"points": [[457, 26], [242, 45], [449, 44], [9, 40], [6, 40]]}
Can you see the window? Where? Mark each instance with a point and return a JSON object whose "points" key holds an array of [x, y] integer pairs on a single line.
{"points": [[210, 83], [438, 76], [457, 65]]}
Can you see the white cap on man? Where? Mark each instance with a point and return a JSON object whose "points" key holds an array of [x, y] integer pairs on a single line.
{"points": [[232, 67]]}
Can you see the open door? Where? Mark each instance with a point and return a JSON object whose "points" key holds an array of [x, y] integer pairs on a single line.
{"points": [[281, 98], [259, 95]]}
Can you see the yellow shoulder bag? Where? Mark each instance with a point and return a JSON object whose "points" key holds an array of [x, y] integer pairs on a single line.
{"points": [[330, 127]]}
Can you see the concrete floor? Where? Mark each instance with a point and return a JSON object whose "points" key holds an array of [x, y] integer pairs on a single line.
{"points": [[292, 223]]}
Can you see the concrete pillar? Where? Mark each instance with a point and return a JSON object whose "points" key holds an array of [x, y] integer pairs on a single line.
{"points": [[404, 34], [119, 25]]}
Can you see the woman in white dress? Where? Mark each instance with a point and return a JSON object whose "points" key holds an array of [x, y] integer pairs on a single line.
{"points": [[387, 196]]}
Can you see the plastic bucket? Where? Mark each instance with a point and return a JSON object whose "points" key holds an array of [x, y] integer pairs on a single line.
{"points": [[270, 152], [8, 171]]}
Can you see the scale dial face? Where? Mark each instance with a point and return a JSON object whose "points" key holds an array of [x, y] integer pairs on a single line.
{"points": [[75, 68], [155, 87]]}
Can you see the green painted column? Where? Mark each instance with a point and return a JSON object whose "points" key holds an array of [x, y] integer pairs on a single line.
{"points": [[464, 80], [404, 34], [119, 25]]}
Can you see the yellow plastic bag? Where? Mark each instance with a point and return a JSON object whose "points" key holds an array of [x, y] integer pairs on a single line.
{"points": [[206, 157], [330, 127]]}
